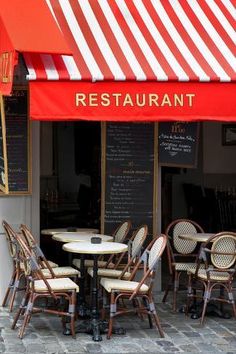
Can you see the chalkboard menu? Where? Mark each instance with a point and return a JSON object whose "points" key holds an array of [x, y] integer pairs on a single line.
{"points": [[17, 138], [3, 153], [178, 144], [129, 174]]}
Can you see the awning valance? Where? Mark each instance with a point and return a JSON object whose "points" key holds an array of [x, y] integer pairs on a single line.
{"points": [[130, 47]]}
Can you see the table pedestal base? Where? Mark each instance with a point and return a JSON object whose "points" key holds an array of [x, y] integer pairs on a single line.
{"points": [[95, 328]]}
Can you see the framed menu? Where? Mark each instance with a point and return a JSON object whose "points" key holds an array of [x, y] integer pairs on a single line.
{"points": [[178, 144], [3, 151], [129, 174], [18, 144]]}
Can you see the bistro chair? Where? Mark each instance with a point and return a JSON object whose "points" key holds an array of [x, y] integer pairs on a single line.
{"points": [[119, 235], [181, 254], [47, 270], [37, 287], [131, 290], [134, 249], [219, 257], [17, 273]]}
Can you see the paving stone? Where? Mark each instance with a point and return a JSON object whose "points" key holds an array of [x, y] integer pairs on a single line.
{"points": [[2, 348], [182, 335]]}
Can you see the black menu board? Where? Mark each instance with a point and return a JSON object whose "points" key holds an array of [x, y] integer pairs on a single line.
{"points": [[17, 138], [129, 174], [178, 144], [3, 156]]}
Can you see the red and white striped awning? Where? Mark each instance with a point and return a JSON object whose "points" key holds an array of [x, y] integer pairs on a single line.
{"points": [[135, 60], [141, 40]]}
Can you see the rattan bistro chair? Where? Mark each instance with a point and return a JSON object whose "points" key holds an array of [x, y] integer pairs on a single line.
{"points": [[37, 286], [219, 257], [181, 253], [135, 245], [47, 270], [17, 273], [119, 235], [132, 290]]}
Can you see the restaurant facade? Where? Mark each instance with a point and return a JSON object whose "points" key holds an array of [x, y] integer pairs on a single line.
{"points": [[143, 63]]}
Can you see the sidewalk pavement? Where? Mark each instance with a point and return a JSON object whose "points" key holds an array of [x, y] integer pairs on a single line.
{"points": [[182, 335]]}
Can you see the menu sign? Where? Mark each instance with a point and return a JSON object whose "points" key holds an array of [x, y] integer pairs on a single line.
{"points": [[129, 174], [17, 138], [3, 158], [178, 144]]}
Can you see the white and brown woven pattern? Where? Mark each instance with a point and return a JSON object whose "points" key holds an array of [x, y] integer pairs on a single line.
{"points": [[121, 232], [213, 275], [184, 246], [223, 244], [61, 272], [182, 266], [57, 284], [109, 273], [122, 285], [138, 241], [155, 252]]}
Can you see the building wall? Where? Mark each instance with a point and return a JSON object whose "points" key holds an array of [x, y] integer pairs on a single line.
{"points": [[20, 209]]}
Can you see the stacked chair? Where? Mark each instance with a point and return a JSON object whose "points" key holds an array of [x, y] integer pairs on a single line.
{"points": [[181, 253], [49, 283], [47, 270], [219, 257], [131, 290]]}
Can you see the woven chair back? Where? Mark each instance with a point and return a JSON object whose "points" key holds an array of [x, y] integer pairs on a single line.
{"points": [[122, 231], [223, 249], [11, 242]]}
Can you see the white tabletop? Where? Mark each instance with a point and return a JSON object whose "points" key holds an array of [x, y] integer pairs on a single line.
{"points": [[79, 237], [51, 232], [94, 248], [198, 237]]}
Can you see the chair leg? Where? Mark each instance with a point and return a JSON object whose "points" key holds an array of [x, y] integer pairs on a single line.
{"points": [[72, 322], [21, 309], [27, 316], [167, 289], [153, 311], [189, 294], [207, 295], [231, 299], [15, 288], [112, 312], [176, 288]]}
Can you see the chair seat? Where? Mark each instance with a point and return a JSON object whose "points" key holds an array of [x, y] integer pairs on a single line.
{"points": [[111, 273], [52, 264], [121, 285], [57, 284], [89, 263], [61, 272], [186, 266], [214, 275]]}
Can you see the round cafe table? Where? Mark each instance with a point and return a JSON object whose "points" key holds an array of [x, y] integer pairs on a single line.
{"points": [[51, 232], [66, 237], [79, 237], [197, 237], [94, 249]]}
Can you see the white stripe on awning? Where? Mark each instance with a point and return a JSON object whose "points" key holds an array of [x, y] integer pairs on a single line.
{"points": [[141, 40]]}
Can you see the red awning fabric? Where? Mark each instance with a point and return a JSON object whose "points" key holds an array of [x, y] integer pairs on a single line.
{"points": [[26, 28], [130, 47]]}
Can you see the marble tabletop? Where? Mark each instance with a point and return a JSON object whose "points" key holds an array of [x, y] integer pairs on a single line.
{"points": [[198, 237], [51, 232], [94, 248], [79, 237]]}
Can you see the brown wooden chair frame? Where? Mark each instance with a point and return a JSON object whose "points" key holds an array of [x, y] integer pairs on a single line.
{"points": [[174, 257], [148, 307], [207, 255]]}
